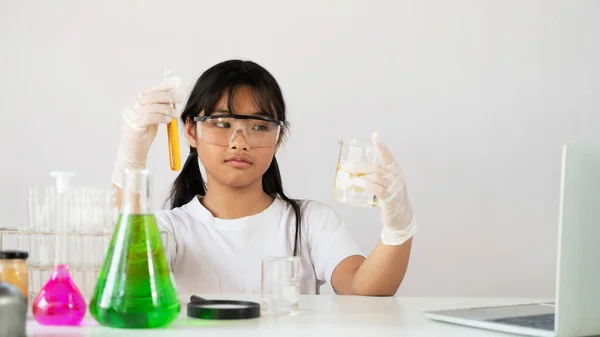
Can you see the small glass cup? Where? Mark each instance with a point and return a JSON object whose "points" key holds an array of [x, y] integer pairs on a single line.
{"points": [[280, 285], [355, 150]]}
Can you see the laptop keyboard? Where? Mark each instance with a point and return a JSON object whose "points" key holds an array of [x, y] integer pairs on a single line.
{"points": [[542, 322]]}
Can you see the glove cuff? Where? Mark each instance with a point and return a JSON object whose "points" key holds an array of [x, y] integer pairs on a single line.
{"points": [[394, 237], [121, 163]]}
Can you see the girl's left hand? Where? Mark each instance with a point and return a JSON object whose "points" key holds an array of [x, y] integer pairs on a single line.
{"points": [[386, 181]]}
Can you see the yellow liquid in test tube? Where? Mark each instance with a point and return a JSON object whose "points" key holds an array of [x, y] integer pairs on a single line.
{"points": [[173, 136]]}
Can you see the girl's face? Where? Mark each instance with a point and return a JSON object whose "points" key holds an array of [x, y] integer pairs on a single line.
{"points": [[237, 165]]}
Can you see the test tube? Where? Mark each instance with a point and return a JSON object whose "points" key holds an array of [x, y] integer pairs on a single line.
{"points": [[173, 136]]}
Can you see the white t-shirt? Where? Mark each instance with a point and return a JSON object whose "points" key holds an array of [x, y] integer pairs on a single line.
{"points": [[212, 255]]}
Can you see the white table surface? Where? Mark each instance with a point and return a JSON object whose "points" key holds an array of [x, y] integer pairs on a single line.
{"points": [[320, 315]]}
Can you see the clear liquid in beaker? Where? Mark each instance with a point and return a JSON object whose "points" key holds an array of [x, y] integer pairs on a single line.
{"points": [[358, 151], [351, 194]]}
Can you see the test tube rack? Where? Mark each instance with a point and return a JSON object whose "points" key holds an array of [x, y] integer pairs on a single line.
{"points": [[85, 254], [82, 217]]}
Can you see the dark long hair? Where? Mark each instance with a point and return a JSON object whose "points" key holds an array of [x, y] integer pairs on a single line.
{"points": [[222, 78]]}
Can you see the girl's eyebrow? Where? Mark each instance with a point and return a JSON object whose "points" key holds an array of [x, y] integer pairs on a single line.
{"points": [[257, 113], [261, 113]]}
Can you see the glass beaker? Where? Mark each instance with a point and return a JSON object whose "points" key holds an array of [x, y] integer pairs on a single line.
{"points": [[354, 151], [280, 285], [135, 288]]}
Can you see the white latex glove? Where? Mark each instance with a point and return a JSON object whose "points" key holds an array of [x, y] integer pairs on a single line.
{"points": [[139, 124], [386, 181]]}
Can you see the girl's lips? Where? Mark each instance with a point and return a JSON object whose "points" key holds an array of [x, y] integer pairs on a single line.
{"points": [[238, 158], [238, 163]]}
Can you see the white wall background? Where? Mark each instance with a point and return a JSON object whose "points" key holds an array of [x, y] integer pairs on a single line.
{"points": [[474, 98]]}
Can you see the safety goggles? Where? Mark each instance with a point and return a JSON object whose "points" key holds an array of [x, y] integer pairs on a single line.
{"points": [[222, 129]]}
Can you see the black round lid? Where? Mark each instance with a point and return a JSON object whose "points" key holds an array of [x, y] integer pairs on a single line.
{"points": [[13, 255], [222, 309]]}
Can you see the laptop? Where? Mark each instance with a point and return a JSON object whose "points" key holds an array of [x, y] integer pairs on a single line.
{"points": [[576, 307]]}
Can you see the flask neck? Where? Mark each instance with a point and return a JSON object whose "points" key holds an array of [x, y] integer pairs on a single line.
{"points": [[135, 203], [136, 193], [60, 271]]}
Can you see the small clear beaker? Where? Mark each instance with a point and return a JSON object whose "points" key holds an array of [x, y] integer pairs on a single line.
{"points": [[354, 151], [280, 285]]}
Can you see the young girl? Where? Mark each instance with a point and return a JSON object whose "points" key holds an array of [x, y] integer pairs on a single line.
{"points": [[221, 229]]}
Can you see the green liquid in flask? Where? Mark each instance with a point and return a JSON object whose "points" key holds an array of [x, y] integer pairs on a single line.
{"points": [[134, 288]]}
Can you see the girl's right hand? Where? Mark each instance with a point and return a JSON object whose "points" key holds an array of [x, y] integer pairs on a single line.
{"points": [[139, 125]]}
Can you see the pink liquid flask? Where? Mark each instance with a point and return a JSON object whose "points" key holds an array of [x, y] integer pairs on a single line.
{"points": [[60, 302]]}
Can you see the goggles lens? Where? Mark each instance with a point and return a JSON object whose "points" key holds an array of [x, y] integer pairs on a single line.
{"points": [[222, 130]]}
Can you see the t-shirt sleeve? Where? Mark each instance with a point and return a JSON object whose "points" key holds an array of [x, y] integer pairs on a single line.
{"points": [[167, 233], [328, 240]]}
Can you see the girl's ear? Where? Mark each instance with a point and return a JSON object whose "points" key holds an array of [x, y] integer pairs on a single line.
{"points": [[190, 133]]}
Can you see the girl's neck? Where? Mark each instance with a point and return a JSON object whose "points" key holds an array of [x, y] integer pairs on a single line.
{"points": [[225, 202]]}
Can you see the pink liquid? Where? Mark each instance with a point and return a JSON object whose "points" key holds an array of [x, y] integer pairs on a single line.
{"points": [[59, 302]]}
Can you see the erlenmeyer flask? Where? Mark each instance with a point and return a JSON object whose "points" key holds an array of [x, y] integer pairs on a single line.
{"points": [[59, 302], [134, 288]]}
